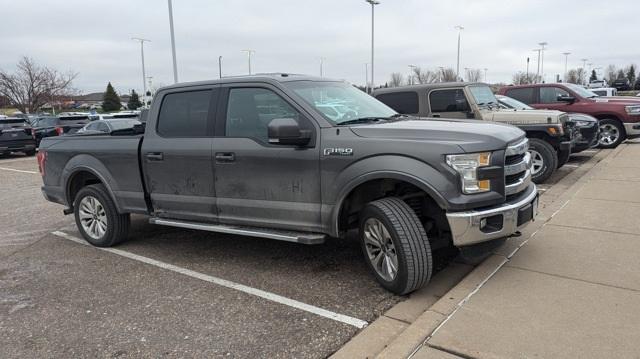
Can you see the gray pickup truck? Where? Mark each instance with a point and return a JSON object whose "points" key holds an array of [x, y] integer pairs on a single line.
{"points": [[296, 158]]}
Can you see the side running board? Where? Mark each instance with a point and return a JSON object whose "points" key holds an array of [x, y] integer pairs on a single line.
{"points": [[288, 236]]}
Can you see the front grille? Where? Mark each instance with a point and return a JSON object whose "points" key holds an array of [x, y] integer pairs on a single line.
{"points": [[517, 172]]}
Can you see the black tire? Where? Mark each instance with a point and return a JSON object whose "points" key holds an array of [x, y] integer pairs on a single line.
{"points": [[410, 242], [548, 156], [117, 226], [563, 158], [610, 123], [30, 153]]}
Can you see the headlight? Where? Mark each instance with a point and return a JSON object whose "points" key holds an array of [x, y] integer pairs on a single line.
{"points": [[467, 166], [579, 123], [632, 110]]}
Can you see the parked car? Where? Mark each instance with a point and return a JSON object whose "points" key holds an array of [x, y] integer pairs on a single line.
{"points": [[549, 137], [57, 126], [622, 84], [585, 127], [255, 156], [16, 136], [618, 117], [605, 91], [597, 84], [108, 125]]}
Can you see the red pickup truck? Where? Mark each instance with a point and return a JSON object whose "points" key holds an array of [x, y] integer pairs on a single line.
{"points": [[619, 116]]}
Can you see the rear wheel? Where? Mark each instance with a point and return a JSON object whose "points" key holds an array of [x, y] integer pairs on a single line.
{"points": [[97, 217], [395, 245], [611, 133], [544, 160]]}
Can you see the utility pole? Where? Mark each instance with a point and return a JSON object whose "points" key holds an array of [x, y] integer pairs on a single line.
{"points": [[373, 4], [249, 52], [144, 75], [459, 28], [566, 59], [542, 44], [173, 44]]}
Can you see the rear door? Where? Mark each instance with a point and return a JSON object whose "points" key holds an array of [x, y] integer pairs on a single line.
{"points": [[449, 103], [176, 154], [262, 184]]}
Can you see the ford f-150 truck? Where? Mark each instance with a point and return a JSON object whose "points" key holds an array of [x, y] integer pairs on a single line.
{"points": [[619, 116], [263, 156]]}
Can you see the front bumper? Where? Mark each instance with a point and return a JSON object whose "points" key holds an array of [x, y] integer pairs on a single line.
{"points": [[632, 129], [499, 221]]}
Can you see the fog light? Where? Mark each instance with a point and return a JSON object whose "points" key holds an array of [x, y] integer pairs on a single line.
{"points": [[483, 223], [484, 185]]}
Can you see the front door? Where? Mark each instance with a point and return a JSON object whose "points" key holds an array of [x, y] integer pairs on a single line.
{"points": [[257, 183], [548, 99], [176, 156], [449, 103]]}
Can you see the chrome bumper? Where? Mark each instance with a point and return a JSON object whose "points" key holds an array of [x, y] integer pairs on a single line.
{"points": [[467, 227], [632, 129]]}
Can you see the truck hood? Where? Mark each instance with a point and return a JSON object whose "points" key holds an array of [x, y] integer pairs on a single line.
{"points": [[469, 135], [625, 100], [522, 117]]}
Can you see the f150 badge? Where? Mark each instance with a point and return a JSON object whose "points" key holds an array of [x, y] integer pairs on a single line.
{"points": [[338, 151]]}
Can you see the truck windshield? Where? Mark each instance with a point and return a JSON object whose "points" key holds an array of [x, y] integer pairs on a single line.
{"points": [[340, 102], [483, 95]]}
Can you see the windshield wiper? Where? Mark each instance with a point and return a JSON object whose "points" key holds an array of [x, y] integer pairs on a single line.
{"points": [[363, 120]]}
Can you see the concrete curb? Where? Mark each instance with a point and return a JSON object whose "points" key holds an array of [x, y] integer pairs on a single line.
{"points": [[411, 331]]}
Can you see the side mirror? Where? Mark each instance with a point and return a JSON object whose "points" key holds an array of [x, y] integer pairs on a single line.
{"points": [[286, 131], [569, 99]]}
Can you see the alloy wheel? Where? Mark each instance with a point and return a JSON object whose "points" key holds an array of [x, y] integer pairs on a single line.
{"points": [[537, 161], [93, 217], [608, 134], [381, 250]]}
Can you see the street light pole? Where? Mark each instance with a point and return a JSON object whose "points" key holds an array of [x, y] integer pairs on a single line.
{"points": [[220, 66], [249, 52], [538, 70], [542, 44], [527, 69], [459, 28], [373, 4], [173, 44], [366, 77], [566, 57], [144, 75]]}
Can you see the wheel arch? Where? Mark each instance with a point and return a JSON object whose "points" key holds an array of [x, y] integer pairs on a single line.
{"points": [[84, 170]]}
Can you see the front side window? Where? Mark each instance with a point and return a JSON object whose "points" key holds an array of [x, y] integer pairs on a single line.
{"points": [[249, 111], [551, 94], [525, 95], [448, 101], [184, 114], [403, 102]]}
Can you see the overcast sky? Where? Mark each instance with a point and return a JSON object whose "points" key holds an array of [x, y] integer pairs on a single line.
{"points": [[93, 37]]}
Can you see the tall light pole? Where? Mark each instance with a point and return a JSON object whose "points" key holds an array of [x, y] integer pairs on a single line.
{"points": [[527, 69], [566, 60], [173, 44], [321, 63], [485, 74], [220, 66], [459, 28], [411, 67], [538, 70], [542, 45], [373, 4], [144, 75], [150, 78], [366, 77], [249, 52]]}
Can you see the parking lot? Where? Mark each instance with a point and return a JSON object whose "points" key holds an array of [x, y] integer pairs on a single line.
{"points": [[170, 292]]}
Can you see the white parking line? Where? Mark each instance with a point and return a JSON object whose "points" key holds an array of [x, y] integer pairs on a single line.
{"points": [[228, 284], [571, 166], [15, 170]]}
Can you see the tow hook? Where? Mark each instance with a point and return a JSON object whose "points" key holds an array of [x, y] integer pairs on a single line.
{"points": [[67, 211]]}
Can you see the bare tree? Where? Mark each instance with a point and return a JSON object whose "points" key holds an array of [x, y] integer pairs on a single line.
{"points": [[611, 73], [424, 76], [32, 86], [576, 76], [448, 75], [474, 75], [522, 78], [396, 80]]}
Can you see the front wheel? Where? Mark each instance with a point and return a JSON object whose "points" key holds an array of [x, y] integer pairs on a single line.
{"points": [[611, 133], [395, 245], [97, 217], [544, 160]]}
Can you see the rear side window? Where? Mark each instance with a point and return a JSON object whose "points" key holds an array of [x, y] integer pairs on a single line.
{"points": [[550, 94], [184, 114], [402, 102], [448, 101], [525, 95]]}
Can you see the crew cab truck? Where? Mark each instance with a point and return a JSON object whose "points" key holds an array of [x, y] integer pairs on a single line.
{"points": [[550, 138], [257, 156], [619, 117]]}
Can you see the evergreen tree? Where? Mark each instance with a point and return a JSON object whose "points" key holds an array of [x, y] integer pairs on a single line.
{"points": [[621, 74], [594, 76], [111, 100], [134, 101], [631, 74]]}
